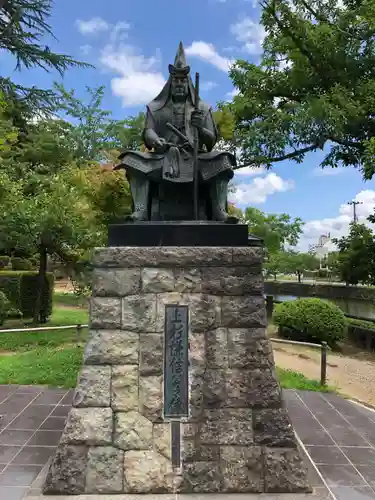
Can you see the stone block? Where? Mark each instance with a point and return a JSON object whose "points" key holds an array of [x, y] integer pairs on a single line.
{"points": [[204, 311], [247, 256], [157, 280], [273, 428], [105, 313], [217, 348], [256, 354], [242, 468], [214, 388], [202, 477], [93, 388], [125, 257], [113, 347], [146, 472], [193, 451], [132, 431], [243, 312], [162, 439], [227, 427], [90, 426], [139, 313], [245, 336], [232, 281], [197, 350], [105, 470], [124, 388], [188, 280], [116, 282], [252, 388], [67, 472], [151, 354], [285, 471], [151, 397]]}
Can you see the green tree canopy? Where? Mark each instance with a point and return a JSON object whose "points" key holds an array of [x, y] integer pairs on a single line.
{"points": [[356, 258], [314, 87], [277, 230]]}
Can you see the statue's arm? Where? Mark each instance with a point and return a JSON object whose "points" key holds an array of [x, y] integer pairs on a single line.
{"points": [[208, 133], [149, 135]]}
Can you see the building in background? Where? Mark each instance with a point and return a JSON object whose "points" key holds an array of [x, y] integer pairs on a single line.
{"points": [[323, 247]]}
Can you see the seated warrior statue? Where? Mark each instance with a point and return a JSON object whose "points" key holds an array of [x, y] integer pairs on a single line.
{"points": [[168, 167]]}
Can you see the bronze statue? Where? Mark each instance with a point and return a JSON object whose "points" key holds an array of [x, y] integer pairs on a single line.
{"points": [[162, 179]]}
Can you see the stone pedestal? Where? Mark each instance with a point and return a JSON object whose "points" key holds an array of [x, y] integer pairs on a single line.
{"points": [[238, 437]]}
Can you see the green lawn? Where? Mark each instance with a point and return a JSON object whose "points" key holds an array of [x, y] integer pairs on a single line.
{"points": [[293, 380], [22, 341], [69, 299], [53, 357], [56, 367]]}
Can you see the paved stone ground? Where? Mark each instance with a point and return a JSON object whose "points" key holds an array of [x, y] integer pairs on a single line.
{"points": [[339, 437]]}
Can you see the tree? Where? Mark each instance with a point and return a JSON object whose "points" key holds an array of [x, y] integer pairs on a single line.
{"points": [[299, 262], [356, 258], [277, 230], [277, 263], [314, 87], [56, 221], [94, 135], [23, 27]]}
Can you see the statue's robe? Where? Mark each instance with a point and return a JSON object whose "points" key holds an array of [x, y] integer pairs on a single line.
{"points": [[160, 111]]}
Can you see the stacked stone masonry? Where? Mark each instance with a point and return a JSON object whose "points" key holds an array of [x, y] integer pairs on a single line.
{"points": [[238, 437]]}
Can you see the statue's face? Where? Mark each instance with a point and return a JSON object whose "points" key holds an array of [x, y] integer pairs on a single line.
{"points": [[179, 86]]}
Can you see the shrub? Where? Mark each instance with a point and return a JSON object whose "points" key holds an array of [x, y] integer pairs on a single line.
{"points": [[4, 307], [4, 261], [21, 289], [20, 264], [311, 320]]}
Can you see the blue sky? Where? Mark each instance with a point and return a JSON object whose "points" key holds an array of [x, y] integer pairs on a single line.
{"points": [[131, 45]]}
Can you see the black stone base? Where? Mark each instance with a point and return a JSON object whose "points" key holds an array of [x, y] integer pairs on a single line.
{"points": [[180, 234]]}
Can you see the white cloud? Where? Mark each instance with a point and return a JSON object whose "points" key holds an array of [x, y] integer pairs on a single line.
{"points": [[229, 96], [207, 52], [258, 190], [338, 226], [92, 26], [249, 171], [328, 171], [207, 86], [85, 49], [138, 81], [251, 34]]}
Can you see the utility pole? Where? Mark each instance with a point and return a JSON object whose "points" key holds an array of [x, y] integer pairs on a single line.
{"points": [[354, 204]]}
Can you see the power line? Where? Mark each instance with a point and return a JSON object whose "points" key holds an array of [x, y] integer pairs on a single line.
{"points": [[354, 204]]}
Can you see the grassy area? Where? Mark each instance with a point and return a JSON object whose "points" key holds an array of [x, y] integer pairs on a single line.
{"points": [[22, 341], [293, 380], [56, 367], [69, 299]]}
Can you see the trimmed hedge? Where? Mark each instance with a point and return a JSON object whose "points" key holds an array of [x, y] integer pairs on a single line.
{"points": [[20, 264], [362, 333], [311, 320], [20, 287]]}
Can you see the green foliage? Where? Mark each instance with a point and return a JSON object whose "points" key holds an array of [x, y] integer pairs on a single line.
{"points": [[310, 320], [314, 87], [356, 257], [20, 287], [4, 307], [290, 262], [19, 264], [277, 230], [361, 323], [23, 27], [4, 261]]}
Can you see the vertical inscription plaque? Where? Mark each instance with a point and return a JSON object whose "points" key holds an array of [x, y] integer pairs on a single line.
{"points": [[176, 362]]}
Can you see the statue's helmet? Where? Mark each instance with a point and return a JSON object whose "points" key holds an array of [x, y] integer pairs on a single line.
{"points": [[180, 67]]}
